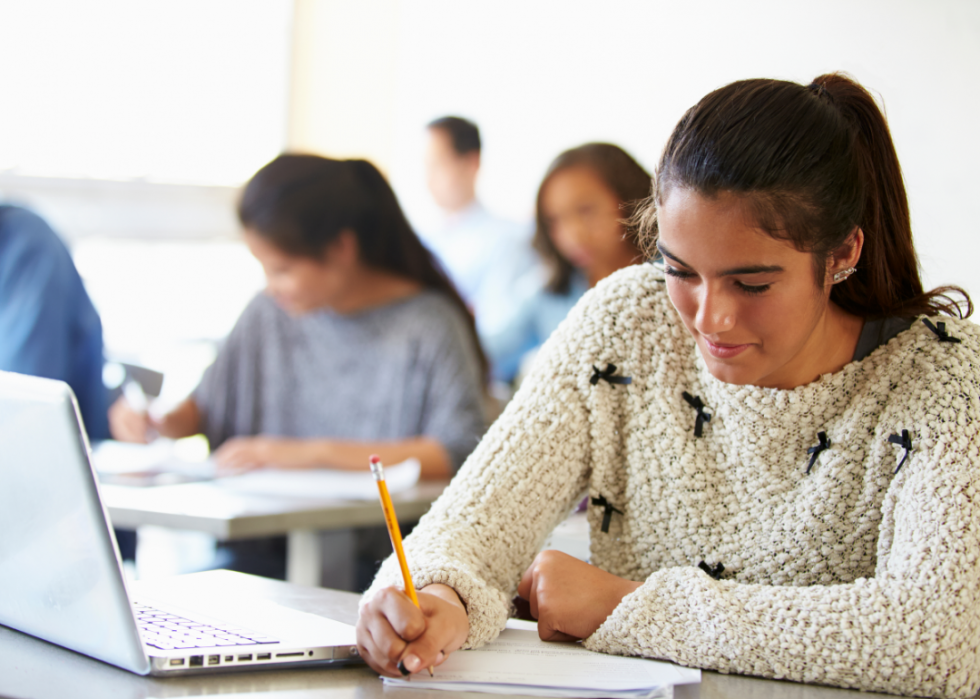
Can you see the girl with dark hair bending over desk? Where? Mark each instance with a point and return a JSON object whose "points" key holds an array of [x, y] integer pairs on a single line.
{"points": [[785, 485], [360, 344]]}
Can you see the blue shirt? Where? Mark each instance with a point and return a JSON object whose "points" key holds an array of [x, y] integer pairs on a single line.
{"points": [[487, 258], [48, 325], [533, 322]]}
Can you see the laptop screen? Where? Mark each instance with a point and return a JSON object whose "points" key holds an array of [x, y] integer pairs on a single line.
{"points": [[58, 560]]}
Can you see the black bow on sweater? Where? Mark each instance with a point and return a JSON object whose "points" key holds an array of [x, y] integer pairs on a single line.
{"points": [[940, 330], [815, 450], [714, 571], [608, 510], [703, 417], [905, 441], [607, 376]]}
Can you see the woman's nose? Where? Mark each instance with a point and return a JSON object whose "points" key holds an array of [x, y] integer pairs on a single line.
{"points": [[716, 312]]}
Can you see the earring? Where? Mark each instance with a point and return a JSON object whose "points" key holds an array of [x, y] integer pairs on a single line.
{"points": [[844, 274]]}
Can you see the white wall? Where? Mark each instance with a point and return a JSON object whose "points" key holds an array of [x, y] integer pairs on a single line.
{"points": [[164, 90], [540, 77]]}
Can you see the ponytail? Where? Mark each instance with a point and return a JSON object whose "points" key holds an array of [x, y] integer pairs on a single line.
{"points": [[888, 273], [813, 164]]}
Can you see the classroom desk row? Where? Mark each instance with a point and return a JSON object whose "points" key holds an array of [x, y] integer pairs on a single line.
{"points": [[39, 670]]}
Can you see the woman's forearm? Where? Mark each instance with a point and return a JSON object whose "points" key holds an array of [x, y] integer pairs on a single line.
{"points": [[182, 421], [353, 456]]}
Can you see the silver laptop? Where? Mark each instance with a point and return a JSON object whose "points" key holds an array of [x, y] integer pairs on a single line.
{"points": [[61, 575]]}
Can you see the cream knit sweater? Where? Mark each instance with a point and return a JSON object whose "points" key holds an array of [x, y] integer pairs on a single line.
{"points": [[851, 575]]}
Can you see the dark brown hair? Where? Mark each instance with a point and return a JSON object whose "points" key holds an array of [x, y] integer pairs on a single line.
{"points": [[302, 203], [812, 163], [624, 177], [463, 133]]}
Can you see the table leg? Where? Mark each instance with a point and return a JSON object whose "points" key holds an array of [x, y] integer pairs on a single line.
{"points": [[303, 559]]}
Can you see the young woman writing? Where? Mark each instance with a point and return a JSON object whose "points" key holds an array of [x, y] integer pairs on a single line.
{"points": [[360, 345], [788, 485]]}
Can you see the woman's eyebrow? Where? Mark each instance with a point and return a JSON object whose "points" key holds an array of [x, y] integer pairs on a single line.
{"points": [[668, 254], [749, 269], [752, 269]]}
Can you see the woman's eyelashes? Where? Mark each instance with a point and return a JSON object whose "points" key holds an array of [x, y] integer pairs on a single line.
{"points": [[678, 273], [751, 289]]}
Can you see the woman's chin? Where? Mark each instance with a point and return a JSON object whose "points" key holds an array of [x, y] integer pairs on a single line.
{"points": [[730, 373], [291, 308]]}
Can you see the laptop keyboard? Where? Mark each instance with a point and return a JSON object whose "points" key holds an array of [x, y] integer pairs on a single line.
{"points": [[168, 631]]}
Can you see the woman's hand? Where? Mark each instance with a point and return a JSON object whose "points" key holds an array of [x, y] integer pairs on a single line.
{"points": [[128, 425], [570, 598], [241, 454], [392, 630]]}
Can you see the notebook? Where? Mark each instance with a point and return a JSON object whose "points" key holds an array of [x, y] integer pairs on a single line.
{"points": [[519, 662], [62, 576]]}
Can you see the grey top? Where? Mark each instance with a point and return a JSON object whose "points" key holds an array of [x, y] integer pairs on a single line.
{"points": [[401, 370]]}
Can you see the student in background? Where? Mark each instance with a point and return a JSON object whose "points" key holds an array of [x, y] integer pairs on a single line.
{"points": [[788, 482], [484, 255], [586, 194], [359, 345], [48, 325]]}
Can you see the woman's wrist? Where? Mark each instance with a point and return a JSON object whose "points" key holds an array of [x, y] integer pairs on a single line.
{"points": [[173, 427], [444, 592], [182, 421]]}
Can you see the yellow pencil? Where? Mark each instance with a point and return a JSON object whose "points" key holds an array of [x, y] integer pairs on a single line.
{"points": [[394, 531]]}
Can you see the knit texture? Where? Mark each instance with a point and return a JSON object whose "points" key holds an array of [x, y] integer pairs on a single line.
{"points": [[852, 575]]}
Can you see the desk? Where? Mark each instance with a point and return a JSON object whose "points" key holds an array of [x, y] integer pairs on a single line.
{"points": [[33, 668], [227, 515]]}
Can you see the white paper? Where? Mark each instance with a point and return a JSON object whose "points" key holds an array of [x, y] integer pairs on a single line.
{"points": [[324, 483], [157, 464], [519, 662], [147, 464], [534, 691]]}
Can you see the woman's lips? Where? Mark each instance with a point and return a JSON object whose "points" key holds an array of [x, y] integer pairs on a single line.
{"points": [[722, 351]]}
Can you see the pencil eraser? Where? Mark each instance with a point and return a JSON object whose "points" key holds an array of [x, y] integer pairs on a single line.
{"points": [[375, 459]]}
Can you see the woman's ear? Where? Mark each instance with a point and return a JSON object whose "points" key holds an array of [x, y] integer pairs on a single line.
{"points": [[843, 261], [344, 250]]}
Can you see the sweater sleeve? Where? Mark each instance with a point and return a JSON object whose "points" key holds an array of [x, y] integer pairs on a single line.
{"points": [[521, 481], [912, 628]]}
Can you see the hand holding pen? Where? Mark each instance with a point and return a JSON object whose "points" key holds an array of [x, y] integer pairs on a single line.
{"points": [[129, 416], [400, 633]]}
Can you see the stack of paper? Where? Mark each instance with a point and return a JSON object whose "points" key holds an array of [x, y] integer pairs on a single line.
{"points": [[325, 482], [518, 662]]}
